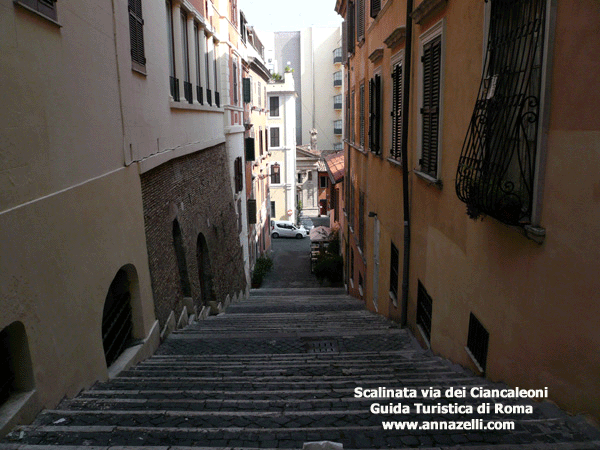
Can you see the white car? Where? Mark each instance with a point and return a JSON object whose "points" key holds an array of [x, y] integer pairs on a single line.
{"points": [[285, 228]]}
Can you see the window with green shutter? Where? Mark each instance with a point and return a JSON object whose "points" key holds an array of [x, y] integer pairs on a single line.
{"points": [[247, 90]]}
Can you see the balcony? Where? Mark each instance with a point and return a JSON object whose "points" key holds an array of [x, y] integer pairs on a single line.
{"points": [[199, 95], [337, 55], [209, 97], [337, 127], [217, 99], [174, 86], [187, 92]]}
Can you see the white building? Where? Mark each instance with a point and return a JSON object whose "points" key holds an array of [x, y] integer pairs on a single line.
{"points": [[282, 144]]}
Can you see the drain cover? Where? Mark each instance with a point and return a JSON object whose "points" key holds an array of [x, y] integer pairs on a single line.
{"points": [[327, 346]]}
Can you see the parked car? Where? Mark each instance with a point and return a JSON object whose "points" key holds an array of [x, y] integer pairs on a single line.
{"points": [[285, 228], [307, 223]]}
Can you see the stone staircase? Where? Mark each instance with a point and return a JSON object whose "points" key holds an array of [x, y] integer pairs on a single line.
{"points": [[279, 370]]}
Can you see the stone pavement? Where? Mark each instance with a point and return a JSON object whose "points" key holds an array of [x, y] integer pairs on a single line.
{"points": [[278, 370]]}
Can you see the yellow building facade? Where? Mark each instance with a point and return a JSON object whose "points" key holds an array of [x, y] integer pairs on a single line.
{"points": [[492, 106]]}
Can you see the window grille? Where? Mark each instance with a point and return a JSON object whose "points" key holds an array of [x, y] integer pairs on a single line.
{"points": [[424, 309], [116, 317], [477, 341], [136, 32], [396, 152], [496, 169], [430, 111]]}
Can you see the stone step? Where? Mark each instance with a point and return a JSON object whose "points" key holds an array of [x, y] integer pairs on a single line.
{"points": [[290, 434]]}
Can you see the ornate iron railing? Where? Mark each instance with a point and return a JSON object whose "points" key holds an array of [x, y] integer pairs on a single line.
{"points": [[496, 168]]}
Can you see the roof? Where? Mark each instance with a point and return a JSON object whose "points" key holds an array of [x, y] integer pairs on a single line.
{"points": [[335, 166]]}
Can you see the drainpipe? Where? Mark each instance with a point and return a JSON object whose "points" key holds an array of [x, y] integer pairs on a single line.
{"points": [[405, 112]]}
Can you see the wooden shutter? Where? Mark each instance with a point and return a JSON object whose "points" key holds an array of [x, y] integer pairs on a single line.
{"points": [[360, 20], [266, 141], [396, 151], [430, 111], [351, 28], [371, 115], [344, 42], [375, 8], [249, 147], [247, 90], [136, 32], [251, 210], [377, 112]]}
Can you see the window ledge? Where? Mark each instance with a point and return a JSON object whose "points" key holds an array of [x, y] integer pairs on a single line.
{"points": [[424, 336], [194, 107], [395, 162], [432, 181], [394, 299], [137, 67], [37, 13], [481, 371]]}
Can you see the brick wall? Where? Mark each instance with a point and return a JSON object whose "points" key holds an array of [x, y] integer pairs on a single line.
{"points": [[194, 189]]}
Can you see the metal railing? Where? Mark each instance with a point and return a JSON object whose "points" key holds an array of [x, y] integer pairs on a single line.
{"points": [[174, 86], [199, 95], [187, 91]]}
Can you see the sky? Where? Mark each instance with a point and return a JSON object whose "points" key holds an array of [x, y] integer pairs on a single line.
{"points": [[289, 15]]}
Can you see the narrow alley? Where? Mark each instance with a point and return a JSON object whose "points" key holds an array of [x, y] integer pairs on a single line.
{"points": [[278, 370]]}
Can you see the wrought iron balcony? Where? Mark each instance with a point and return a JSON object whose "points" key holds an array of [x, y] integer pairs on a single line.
{"points": [[174, 85], [187, 91], [209, 97], [217, 99], [199, 95]]}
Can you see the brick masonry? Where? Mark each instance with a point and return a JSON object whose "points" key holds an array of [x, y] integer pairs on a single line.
{"points": [[194, 189]]}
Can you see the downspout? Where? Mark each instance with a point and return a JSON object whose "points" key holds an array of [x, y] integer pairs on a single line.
{"points": [[405, 112]]}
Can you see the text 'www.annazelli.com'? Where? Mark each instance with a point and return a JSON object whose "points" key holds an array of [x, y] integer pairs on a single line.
{"points": [[475, 424]]}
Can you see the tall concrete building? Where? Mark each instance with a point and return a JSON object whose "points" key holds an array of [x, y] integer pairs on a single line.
{"points": [[314, 55]]}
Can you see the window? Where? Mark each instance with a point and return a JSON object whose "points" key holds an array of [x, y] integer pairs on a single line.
{"points": [[309, 175], [323, 182], [396, 151], [136, 34], [337, 55], [260, 138], [352, 117], [477, 342], [272, 209], [46, 8], [216, 72], [239, 174], [249, 148], [207, 65], [338, 146], [199, 93], [431, 65], [243, 29], [361, 220], [337, 127], [266, 142], [375, 116], [496, 172], [235, 89], [273, 110], [375, 8], [259, 96], [337, 78], [187, 86], [274, 136], [360, 20], [173, 81], [351, 28], [299, 177], [251, 210], [394, 265], [275, 174], [424, 308], [362, 115], [247, 87], [337, 101]]}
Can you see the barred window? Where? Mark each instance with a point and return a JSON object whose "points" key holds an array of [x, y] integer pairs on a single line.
{"points": [[496, 169]]}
